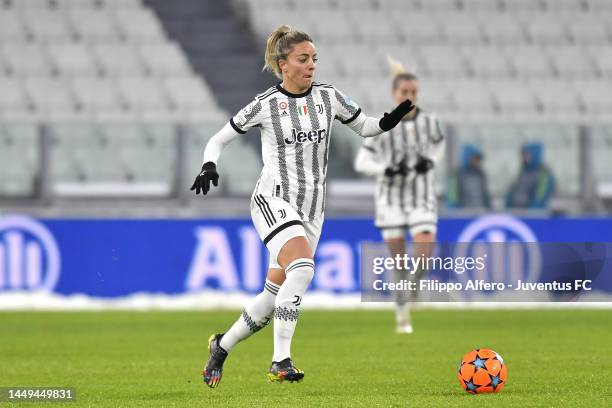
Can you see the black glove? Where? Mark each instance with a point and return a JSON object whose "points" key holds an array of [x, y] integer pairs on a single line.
{"points": [[423, 165], [400, 168], [202, 181], [390, 120]]}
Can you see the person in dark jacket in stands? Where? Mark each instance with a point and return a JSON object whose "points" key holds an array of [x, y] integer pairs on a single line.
{"points": [[468, 186], [535, 183]]}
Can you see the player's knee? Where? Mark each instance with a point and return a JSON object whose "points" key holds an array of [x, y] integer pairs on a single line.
{"points": [[295, 248], [301, 269]]}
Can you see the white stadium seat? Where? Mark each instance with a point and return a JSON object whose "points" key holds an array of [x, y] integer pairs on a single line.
{"points": [[530, 62], [47, 25], [139, 25], [13, 99], [94, 25], [11, 27], [25, 59], [119, 59], [72, 59], [164, 59], [51, 97], [97, 96]]}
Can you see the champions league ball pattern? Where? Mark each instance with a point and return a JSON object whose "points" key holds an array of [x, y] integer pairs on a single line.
{"points": [[482, 371]]}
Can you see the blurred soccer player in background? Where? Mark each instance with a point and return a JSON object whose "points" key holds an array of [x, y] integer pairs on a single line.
{"points": [[402, 161], [287, 206]]}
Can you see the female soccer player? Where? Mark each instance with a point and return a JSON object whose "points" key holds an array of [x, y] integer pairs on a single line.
{"points": [[295, 118], [402, 161]]}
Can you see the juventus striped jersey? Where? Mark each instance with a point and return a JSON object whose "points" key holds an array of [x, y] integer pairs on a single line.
{"points": [[295, 131], [420, 135]]}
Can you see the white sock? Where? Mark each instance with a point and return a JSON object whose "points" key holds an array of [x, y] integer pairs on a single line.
{"points": [[402, 313], [255, 316], [287, 308]]}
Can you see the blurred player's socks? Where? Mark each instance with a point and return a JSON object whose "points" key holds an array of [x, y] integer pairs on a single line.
{"points": [[254, 317], [299, 274]]}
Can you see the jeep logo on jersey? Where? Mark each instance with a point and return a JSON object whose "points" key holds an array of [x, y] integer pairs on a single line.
{"points": [[300, 136]]}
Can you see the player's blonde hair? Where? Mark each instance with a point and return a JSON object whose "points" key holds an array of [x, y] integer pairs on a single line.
{"points": [[399, 72], [278, 46]]}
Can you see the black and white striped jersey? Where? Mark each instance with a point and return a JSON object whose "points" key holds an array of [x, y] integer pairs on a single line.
{"points": [[420, 135], [295, 133]]}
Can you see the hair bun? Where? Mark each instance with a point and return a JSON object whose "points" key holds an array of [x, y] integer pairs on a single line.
{"points": [[395, 66]]}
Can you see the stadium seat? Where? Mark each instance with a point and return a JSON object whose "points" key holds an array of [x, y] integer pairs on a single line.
{"points": [[13, 99], [379, 29], [471, 97], [545, 29], [356, 64], [486, 62], [51, 98], [556, 98], [11, 27], [98, 97], [139, 25], [47, 25], [333, 27], [121, 4], [564, 6], [93, 26], [119, 59], [143, 96], [603, 59], [596, 96], [442, 61], [599, 5], [588, 29], [191, 99], [502, 29], [522, 6], [514, 98], [418, 30], [572, 62], [72, 59], [31, 4], [530, 62], [25, 59], [434, 96], [463, 29], [69, 5], [164, 59], [478, 6]]}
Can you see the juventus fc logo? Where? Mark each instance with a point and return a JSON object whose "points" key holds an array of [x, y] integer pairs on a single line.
{"points": [[282, 213], [320, 108], [297, 301]]}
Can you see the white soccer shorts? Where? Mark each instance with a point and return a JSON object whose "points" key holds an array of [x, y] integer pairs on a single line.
{"points": [[394, 222], [277, 222]]}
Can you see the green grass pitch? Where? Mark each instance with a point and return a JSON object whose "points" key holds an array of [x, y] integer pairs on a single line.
{"points": [[560, 358]]}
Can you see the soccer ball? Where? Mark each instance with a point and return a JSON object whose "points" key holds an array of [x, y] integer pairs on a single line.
{"points": [[482, 371]]}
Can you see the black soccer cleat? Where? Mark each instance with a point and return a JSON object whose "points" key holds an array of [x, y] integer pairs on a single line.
{"points": [[285, 371], [214, 366]]}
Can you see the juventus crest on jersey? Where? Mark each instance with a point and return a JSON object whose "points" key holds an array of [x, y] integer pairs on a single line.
{"points": [[419, 136], [295, 131]]}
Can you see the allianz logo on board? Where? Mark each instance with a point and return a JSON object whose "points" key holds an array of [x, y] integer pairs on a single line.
{"points": [[510, 246], [29, 256]]}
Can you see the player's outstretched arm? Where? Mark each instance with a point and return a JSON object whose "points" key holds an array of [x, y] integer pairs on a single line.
{"points": [[366, 126], [213, 150], [390, 120]]}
